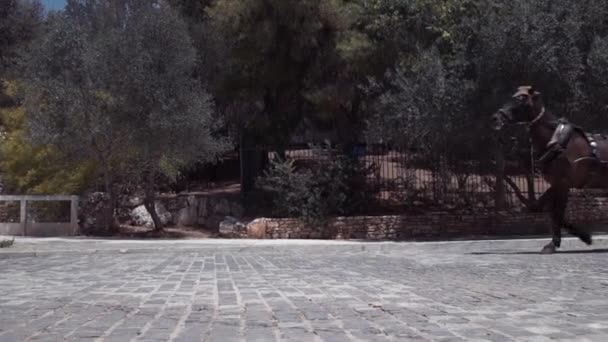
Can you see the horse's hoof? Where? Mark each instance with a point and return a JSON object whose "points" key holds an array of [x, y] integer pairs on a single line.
{"points": [[548, 249], [586, 238]]}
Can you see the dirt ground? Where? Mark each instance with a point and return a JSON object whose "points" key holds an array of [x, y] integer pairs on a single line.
{"points": [[133, 232]]}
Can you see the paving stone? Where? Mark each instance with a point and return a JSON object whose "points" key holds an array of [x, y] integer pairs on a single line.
{"points": [[460, 291]]}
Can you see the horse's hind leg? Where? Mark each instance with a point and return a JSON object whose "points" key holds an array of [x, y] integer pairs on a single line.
{"points": [[558, 213], [579, 233]]}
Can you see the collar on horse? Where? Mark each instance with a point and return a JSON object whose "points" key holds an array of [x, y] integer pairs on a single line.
{"points": [[537, 118], [533, 121]]}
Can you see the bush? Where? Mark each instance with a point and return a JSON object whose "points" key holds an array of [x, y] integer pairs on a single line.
{"points": [[336, 185], [6, 243]]}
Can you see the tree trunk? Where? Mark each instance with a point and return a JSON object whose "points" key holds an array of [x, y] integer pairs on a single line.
{"points": [[150, 201], [110, 222], [253, 161], [149, 204]]}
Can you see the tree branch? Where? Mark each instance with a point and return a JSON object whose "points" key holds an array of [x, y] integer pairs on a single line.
{"points": [[518, 192]]}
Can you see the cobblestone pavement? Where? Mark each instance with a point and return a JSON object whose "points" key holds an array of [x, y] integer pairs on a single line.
{"points": [[286, 291]]}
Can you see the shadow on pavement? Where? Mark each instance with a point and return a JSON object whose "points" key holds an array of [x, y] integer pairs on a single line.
{"points": [[576, 251]]}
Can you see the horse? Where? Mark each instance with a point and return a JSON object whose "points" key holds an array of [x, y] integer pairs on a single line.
{"points": [[571, 157]]}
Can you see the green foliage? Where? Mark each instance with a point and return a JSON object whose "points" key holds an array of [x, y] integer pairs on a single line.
{"points": [[335, 185], [472, 54], [20, 22], [7, 243], [534, 42], [292, 62], [424, 108], [595, 88], [124, 82], [169, 114], [114, 81], [30, 169]]}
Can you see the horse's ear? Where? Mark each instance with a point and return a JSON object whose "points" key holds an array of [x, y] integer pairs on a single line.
{"points": [[535, 94]]}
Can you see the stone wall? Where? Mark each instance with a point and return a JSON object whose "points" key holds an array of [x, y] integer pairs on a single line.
{"points": [[584, 209], [209, 210], [197, 210], [201, 210]]}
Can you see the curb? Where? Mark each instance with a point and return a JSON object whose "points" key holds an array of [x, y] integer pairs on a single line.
{"points": [[201, 249], [534, 244]]}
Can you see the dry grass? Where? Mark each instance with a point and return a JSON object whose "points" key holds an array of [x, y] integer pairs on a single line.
{"points": [[397, 175], [391, 166]]}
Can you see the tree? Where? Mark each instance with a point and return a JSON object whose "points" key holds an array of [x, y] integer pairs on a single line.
{"points": [[424, 108], [67, 99], [40, 169], [20, 22], [28, 169], [169, 114], [293, 63], [113, 81]]}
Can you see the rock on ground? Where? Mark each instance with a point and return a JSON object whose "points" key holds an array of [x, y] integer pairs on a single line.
{"points": [[141, 216]]}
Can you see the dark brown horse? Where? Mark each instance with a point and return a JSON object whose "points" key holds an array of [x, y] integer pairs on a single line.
{"points": [[571, 158]]}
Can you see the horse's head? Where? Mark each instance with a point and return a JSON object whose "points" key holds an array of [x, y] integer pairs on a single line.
{"points": [[524, 107]]}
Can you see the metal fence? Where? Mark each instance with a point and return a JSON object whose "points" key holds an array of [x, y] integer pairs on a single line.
{"points": [[441, 182], [16, 217]]}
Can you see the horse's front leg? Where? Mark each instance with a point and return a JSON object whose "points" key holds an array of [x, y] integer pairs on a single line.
{"points": [[559, 200]]}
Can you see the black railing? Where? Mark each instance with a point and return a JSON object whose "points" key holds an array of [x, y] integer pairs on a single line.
{"points": [[415, 180]]}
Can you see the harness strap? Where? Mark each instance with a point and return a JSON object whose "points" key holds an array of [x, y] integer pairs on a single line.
{"points": [[561, 137], [593, 144]]}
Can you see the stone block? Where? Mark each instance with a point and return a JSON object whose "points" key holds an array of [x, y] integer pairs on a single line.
{"points": [[231, 227], [257, 228]]}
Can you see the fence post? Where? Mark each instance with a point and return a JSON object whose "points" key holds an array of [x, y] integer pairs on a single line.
{"points": [[23, 216], [499, 199], [74, 214]]}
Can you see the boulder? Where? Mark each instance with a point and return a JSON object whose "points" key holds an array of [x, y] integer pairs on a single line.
{"points": [[187, 215], [227, 226], [232, 228], [256, 229], [135, 201], [141, 217]]}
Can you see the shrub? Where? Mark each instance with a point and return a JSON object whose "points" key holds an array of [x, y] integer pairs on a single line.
{"points": [[335, 185], [6, 243]]}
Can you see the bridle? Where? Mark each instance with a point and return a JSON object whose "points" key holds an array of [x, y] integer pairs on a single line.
{"points": [[537, 118], [529, 125], [533, 121]]}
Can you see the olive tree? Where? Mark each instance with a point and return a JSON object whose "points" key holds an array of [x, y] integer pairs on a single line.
{"points": [[20, 22], [114, 80]]}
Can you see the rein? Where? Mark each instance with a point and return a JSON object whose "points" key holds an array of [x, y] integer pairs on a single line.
{"points": [[537, 118], [533, 121]]}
